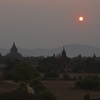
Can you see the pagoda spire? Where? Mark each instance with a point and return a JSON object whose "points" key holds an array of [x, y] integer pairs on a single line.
{"points": [[64, 52], [14, 48], [94, 56]]}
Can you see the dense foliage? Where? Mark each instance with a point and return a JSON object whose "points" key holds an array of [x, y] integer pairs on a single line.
{"points": [[49, 64], [87, 96], [88, 83], [66, 77], [51, 75], [24, 72], [46, 95], [37, 85], [41, 91], [21, 71], [22, 86]]}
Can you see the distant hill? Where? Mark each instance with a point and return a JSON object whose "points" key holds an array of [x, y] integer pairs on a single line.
{"points": [[72, 50]]}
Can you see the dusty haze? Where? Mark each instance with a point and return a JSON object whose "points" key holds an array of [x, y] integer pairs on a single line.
{"points": [[49, 23]]}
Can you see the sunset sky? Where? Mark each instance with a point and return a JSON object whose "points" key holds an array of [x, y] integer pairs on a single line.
{"points": [[49, 23]]}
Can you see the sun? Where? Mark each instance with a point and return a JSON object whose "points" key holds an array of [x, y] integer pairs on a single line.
{"points": [[81, 19]]}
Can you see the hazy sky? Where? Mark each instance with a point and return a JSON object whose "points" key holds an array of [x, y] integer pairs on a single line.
{"points": [[49, 23]]}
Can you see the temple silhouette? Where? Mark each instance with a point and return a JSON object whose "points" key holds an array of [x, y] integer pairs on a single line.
{"points": [[14, 54], [64, 60]]}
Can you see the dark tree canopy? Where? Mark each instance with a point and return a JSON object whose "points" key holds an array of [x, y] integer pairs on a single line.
{"points": [[51, 75], [23, 72], [49, 64]]}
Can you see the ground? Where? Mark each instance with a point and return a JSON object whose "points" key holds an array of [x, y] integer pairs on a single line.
{"points": [[7, 86], [64, 90]]}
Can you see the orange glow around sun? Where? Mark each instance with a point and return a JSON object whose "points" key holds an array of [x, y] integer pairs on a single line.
{"points": [[81, 19]]}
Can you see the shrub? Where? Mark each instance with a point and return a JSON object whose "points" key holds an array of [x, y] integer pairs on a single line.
{"points": [[8, 75], [80, 77], [51, 75], [77, 83], [87, 97], [46, 95], [88, 83], [24, 72], [35, 81], [74, 78], [49, 64], [39, 87], [22, 86], [96, 78], [66, 77]]}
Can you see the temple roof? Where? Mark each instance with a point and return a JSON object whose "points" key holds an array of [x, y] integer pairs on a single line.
{"points": [[14, 52], [14, 48]]}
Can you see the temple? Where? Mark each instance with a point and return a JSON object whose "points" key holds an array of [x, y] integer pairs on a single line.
{"points": [[94, 56], [14, 54], [64, 60]]}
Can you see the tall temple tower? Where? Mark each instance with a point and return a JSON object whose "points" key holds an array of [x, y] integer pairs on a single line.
{"points": [[63, 52], [14, 52], [64, 60]]}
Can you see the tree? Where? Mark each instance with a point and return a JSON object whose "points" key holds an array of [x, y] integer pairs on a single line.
{"points": [[7, 60], [22, 86], [51, 75], [37, 85], [77, 66], [87, 97], [49, 64], [46, 95], [66, 77], [24, 72], [10, 66], [8, 75], [88, 83], [88, 65], [35, 81]]}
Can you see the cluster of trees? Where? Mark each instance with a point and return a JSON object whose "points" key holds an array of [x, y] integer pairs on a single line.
{"points": [[88, 65], [87, 96], [31, 60], [24, 95], [25, 74], [21, 93], [41, 91], [92, 83], [51, 68], [19, 71], [49, 64]]}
